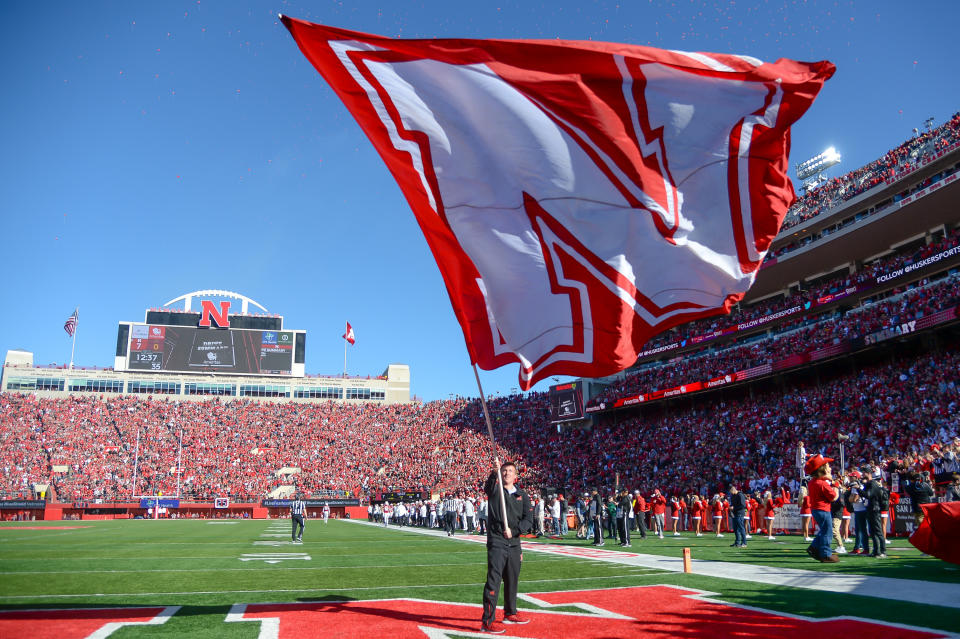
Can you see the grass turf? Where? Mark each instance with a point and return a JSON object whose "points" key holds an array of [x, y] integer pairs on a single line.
{"points": [[197, 564]]}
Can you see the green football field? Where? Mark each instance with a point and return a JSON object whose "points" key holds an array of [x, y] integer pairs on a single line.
{"points": [[207, 566]]}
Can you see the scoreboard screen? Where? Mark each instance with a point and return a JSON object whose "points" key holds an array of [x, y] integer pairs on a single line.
{"points": [[198, 350], [566, 402]]}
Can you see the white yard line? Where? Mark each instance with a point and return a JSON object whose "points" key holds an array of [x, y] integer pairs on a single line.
{"points": [[910, 590]]}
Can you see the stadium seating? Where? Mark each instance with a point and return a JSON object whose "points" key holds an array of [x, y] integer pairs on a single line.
{"points": [[896, 162], [235, 448]]}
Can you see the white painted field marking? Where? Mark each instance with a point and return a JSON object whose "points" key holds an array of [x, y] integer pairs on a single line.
{"points": [[222, 523], [274, 557], [275, 534]]}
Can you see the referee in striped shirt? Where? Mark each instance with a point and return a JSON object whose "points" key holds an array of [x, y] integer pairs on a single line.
{"points": [[298, 508]]}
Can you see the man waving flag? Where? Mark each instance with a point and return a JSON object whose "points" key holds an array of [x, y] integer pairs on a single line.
{"points": [[579, 197]]}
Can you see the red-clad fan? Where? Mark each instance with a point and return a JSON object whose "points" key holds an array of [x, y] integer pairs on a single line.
{"points": [[726, 514], [659, 504], [640, 509]]}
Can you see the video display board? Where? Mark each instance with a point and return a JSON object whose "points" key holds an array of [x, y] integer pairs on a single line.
{"points": [[566, 402], [201, 350]]}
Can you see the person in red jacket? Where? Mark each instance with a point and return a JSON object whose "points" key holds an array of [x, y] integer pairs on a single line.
{"points": [[640, 513], [822, 493], [659, 505], [726, 513]]}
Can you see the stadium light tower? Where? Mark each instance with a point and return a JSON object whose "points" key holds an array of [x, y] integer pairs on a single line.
{"points": [[813, 171]]}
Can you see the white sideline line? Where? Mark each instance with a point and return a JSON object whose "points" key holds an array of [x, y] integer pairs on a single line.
{"points": [[909, 590]]}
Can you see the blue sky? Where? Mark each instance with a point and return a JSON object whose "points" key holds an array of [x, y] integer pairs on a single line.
{"points": [[155, 148]]}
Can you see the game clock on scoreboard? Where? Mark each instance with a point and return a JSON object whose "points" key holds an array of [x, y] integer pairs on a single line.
{"points": [[221, 502]]}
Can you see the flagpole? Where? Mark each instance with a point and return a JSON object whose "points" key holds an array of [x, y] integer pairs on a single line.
{"points": [[493, 445], [345, 333], [75, 329]]}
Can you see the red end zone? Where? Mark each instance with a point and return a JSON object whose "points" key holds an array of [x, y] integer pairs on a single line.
{"points": [[79, 622], [644, 611], [42, 527]]}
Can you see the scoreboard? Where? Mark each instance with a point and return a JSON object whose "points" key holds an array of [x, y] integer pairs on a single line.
{"points": [[188, 349], [566, 402]]}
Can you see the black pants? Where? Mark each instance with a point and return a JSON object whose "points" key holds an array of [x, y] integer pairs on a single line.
{"points": [[597, 531], [297, 521], [503, 566], [641, 524], [450, 522], [623, 523], [876, 522]]}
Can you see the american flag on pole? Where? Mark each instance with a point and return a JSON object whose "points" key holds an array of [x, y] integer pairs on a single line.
{"points": [[579, 197], [71, 324], [349, 335]]}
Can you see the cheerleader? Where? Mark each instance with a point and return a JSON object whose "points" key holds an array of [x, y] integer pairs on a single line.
{"points": [[758, 513], [675, 514], [770, 508], [696, 514], [716, 506], [806, 513], [845, 524]]}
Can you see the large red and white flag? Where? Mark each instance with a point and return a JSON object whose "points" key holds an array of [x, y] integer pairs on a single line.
{"points": [[71, 324], [349, 335], [579, 197]]}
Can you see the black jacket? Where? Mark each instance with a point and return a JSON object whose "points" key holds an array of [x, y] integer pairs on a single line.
{"points": [[519, 513], [738, 503], [873, 493]]}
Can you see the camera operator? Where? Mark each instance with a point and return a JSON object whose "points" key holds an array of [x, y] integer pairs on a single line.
{"points": [[878, 501], [953, 490], [861, 544], [921, 492]]}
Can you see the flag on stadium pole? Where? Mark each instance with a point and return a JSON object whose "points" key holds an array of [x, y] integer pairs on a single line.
{"points": [[579, 197], [349, 335], [71, 324]]}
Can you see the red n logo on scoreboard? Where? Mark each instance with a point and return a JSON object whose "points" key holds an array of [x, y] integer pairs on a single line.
{"points": [[208, 311]]}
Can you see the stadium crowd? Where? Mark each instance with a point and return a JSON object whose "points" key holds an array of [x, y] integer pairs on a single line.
{"points": [[746, 313], [116, 447], [239, 448], [893, 308], [904, 158]]}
